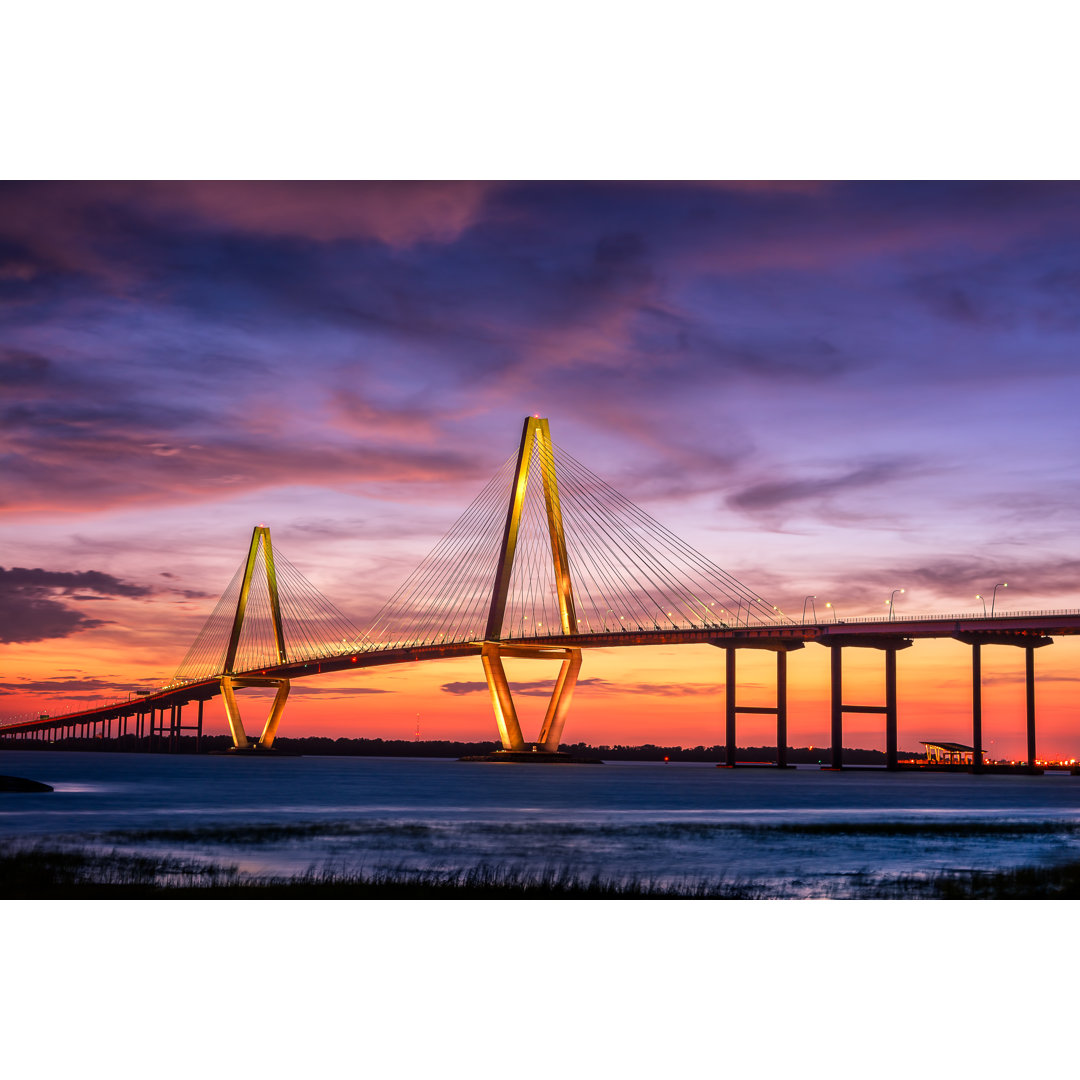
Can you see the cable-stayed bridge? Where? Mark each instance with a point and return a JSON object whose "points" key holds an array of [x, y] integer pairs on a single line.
{"points": [[547, 562]]}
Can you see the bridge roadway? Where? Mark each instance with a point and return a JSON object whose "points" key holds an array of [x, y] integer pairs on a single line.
{"points": [[1027, 629]]}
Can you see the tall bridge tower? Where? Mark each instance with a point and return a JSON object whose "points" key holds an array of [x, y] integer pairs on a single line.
{"points": [[535, 440], [229, 682]]}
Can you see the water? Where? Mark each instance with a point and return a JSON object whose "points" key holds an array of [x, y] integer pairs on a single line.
{"points": [[802, 830]]}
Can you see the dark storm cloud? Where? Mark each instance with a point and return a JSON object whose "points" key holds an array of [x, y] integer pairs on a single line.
{"points": [[32, 602], [776, 493]]}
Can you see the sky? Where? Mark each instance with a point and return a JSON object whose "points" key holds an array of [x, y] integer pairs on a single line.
{"points": [[832, 390]]}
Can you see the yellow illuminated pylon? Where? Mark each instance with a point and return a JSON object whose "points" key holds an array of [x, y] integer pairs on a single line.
{"points": [[535, 438], [228, 681]]}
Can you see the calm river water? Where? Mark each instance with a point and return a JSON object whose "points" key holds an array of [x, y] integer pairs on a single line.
{"points": [[807, 831]]}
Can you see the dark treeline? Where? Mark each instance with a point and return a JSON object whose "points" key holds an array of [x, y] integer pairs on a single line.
{"points": [[796, 755], [321, 746]]}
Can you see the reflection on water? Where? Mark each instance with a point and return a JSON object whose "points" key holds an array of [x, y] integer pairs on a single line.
{"points": [[666, 822]]}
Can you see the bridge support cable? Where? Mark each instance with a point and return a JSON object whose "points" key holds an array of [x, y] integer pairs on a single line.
{"points": [[543, 521], [631, 573], [269, 615], [446, 599]]}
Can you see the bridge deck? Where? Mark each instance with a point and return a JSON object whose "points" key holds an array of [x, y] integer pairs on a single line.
{"points": [[1038, 625]]}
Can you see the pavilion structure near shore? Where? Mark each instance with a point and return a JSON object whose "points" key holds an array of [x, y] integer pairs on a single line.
{"points": [[949, 753]]}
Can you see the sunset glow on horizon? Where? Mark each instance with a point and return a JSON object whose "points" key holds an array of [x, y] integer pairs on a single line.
{"points": [[847, 395]]}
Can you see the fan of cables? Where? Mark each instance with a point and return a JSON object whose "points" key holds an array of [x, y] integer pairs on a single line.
{"points": [[312, 628], [628, 572]]}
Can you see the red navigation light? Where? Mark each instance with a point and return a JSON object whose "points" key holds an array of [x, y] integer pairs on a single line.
{"points": [[354, 659]]}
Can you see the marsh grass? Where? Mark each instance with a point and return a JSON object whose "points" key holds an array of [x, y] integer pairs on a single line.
{"points": [[41, 871], [51, 871]]}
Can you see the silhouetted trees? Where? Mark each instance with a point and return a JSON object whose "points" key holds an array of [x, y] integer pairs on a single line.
{"points": [[324, 746]]}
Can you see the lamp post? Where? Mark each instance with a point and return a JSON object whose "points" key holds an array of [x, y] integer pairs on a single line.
{"points": [[830, 604], [979, 596], [811, 599], [890, 601], [1000, 585]]}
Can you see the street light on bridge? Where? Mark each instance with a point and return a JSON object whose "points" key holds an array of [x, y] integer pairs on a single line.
{"points": [[890, 601], [812, 608], [979, 596], [829, 604], [1001, 585]]}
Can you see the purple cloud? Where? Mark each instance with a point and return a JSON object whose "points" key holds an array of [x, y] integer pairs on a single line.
{"points": [[32, 602], [772, 494]]}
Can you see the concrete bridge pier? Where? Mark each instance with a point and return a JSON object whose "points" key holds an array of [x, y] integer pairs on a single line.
{"points": [[502, 701], [1029, 643], [229, 684], [890, 646], [731, 707]]}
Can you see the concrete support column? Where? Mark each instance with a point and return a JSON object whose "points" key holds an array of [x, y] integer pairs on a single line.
{"points": [[729, 707], [837, 680], [892, 760], [976, 707], [198, 730], [781, 708], [1030, 680], [502, 701]]}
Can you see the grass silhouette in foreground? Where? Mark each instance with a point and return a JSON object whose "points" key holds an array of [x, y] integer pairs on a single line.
{"points": [[41, 871]]}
